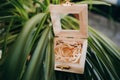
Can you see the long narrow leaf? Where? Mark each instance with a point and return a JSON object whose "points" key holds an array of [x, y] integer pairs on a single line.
{"points": [[14, 64]]}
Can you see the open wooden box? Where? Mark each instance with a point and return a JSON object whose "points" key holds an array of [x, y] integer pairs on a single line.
{"points": [[70, 46]]}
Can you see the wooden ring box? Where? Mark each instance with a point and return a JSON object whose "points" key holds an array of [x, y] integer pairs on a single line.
{"points": [[70, 58]]}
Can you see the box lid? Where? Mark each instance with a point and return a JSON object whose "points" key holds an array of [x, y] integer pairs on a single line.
{"points": [[80, 9]]}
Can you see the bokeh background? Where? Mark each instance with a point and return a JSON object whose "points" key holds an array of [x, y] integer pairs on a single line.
{"points": [[106, 19]]}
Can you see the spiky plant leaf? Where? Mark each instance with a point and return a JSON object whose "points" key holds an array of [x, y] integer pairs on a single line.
{"points": [[15, 64]]}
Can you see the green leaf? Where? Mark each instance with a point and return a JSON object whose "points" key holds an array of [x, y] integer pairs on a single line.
{"points": [[49, 59], [94, 2], [17, 57], [37, 57]]}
